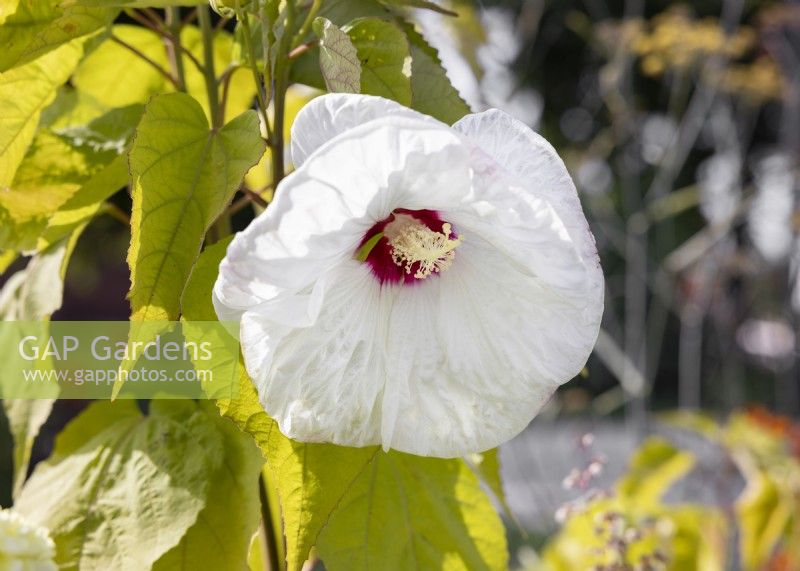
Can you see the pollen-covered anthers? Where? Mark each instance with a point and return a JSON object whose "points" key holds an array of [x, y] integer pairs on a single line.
{"points": [[412, 242]]}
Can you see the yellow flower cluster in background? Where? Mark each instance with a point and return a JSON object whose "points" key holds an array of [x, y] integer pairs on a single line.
{"points": [[675, 41], [757, 81]]}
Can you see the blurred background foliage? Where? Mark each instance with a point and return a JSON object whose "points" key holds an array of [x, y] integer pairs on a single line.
{"points": [[680, 123]]}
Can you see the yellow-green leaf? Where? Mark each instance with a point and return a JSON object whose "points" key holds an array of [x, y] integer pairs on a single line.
{"points": [[24, 92], [654, 467], [115, 76], [39, 26], [184, 174], [121, 488], [33, 294], [56, 175], [220, 539], [411, 512]]}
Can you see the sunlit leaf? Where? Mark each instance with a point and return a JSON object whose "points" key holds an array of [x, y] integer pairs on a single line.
{"points": [[24, 92], [33, 294], [184, 174], [122, 489], [86, 203], [60, 185], [424, 4], [36, 28], [432, 92], [116, 76], [383, 53], [70, 108], [220, 539], [140, 3], [338, 58], [411, 512]]}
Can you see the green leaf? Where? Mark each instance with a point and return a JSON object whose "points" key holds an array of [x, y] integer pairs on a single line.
{"points": [[424, 4], [38, 81], [87, 202], [487, 466], [184, 174], [70, 108], [115, 76], [33, 294], [196, 301], [109, 132], [654, 467], [385, 59], [140, 3], [411, 512], [25, 419], [306, 68], [338, 58], [220, 539], [36, 28], [341, 12], [59, 185], [122, 489], [432, 92], [311, 480]]}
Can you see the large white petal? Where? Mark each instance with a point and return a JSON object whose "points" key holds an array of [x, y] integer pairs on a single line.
{"points": [[535, 165], [455, 387], [323, 380], [322, 210], [327, 116]]}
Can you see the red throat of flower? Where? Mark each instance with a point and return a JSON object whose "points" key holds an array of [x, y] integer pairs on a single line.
{"points": [[408, 246]]}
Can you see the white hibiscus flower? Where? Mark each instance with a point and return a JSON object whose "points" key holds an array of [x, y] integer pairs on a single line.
{"points": [[23, 546], [413, 285]]}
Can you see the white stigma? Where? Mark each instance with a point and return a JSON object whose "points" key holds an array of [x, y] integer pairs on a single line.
{"points": [[413, 242]]}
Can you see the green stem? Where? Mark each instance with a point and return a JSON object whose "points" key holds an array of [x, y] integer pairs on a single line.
{"points": [[281, 85], [306, 27], [174, 48], [269, 533], [257, 78], [266, 49], [204, 17]]}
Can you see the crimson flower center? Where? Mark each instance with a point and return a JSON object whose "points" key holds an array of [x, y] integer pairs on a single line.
{"points": [[408, 246]]}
